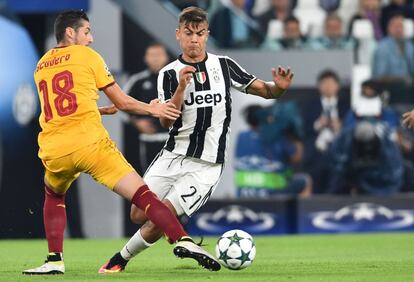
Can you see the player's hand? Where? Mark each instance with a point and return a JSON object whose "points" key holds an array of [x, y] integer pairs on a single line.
{"points": [[155, 101], [108, 110], [164, 110], [282, 78], [408, 119], [185, 75]]}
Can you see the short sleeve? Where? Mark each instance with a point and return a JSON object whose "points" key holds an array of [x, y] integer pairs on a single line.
{"points": [[240, 79], [103, 76], [167, 83]]}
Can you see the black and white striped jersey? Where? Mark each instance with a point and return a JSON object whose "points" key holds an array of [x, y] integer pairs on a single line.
{"points": [[202, 131]]}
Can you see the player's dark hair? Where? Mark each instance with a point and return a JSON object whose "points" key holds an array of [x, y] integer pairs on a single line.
{"points": [[69, 18], [193, 16], [328, 74]]}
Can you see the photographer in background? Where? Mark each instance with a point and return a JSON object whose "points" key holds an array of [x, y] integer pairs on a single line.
{"points": [[366, 157], [267, 151], [370, 106]]}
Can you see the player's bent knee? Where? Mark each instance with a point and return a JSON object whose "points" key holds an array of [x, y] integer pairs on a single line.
{"points": [[137, 215]]}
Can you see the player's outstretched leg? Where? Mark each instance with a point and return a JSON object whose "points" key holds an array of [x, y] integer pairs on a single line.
{"points": [[166, 223], [186, 248]]}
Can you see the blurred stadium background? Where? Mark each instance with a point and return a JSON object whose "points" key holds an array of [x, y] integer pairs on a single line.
{"points": [[122, 30]]}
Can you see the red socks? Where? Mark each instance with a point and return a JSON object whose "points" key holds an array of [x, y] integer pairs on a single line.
{"points": [[54, 218], [158, 213]]}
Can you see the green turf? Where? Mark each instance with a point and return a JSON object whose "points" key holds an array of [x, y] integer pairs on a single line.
{"points": [[333, 258]]}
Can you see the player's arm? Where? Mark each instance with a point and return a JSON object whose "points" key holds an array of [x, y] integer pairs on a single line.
{"points": [[185, 76], [108, 110], [128, 104], [281, 80]]}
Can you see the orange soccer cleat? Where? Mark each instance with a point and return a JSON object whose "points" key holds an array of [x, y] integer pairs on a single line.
{"points": [[115, 265]]}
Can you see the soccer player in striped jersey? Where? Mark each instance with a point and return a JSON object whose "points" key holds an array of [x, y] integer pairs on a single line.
{"points": [[73, 139], [187, 170]]}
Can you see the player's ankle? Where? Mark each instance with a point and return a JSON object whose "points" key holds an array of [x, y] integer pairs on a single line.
{"points": [[55, 258], [122, 258], [186, 239]]}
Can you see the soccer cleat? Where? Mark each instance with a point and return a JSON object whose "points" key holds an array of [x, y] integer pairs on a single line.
{"points": [[115, 265], [53, 265], [186, 248]]}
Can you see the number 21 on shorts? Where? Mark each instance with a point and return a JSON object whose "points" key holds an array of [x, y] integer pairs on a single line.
{"points": [[188, 198]]}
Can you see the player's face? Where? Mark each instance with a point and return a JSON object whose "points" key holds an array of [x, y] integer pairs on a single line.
{"points": [[193, 40], [83, 35]]}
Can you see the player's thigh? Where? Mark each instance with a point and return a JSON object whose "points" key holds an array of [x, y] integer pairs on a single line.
{"points": [[163, 173], [60, 173], [106, 164], [193, 189], [160, 178]]}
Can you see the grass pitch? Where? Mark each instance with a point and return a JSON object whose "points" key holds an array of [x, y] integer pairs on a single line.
{"points": [[366, 257]]}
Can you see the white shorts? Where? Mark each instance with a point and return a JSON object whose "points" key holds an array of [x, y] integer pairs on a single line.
{"points": [[185, 181]]}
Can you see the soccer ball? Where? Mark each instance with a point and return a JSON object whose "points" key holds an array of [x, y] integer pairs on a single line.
{"points": [[235, 249]]}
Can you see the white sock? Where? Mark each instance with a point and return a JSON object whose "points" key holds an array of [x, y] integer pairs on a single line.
{"points": [[134, 246]]}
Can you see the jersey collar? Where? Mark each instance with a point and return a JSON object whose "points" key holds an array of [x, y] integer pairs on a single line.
{"points": [[180, 58]]}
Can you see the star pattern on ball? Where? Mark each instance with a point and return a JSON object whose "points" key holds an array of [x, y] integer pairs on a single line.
{"points": [[244, 257], [235, 239], [223, 254], [224, 257]]}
